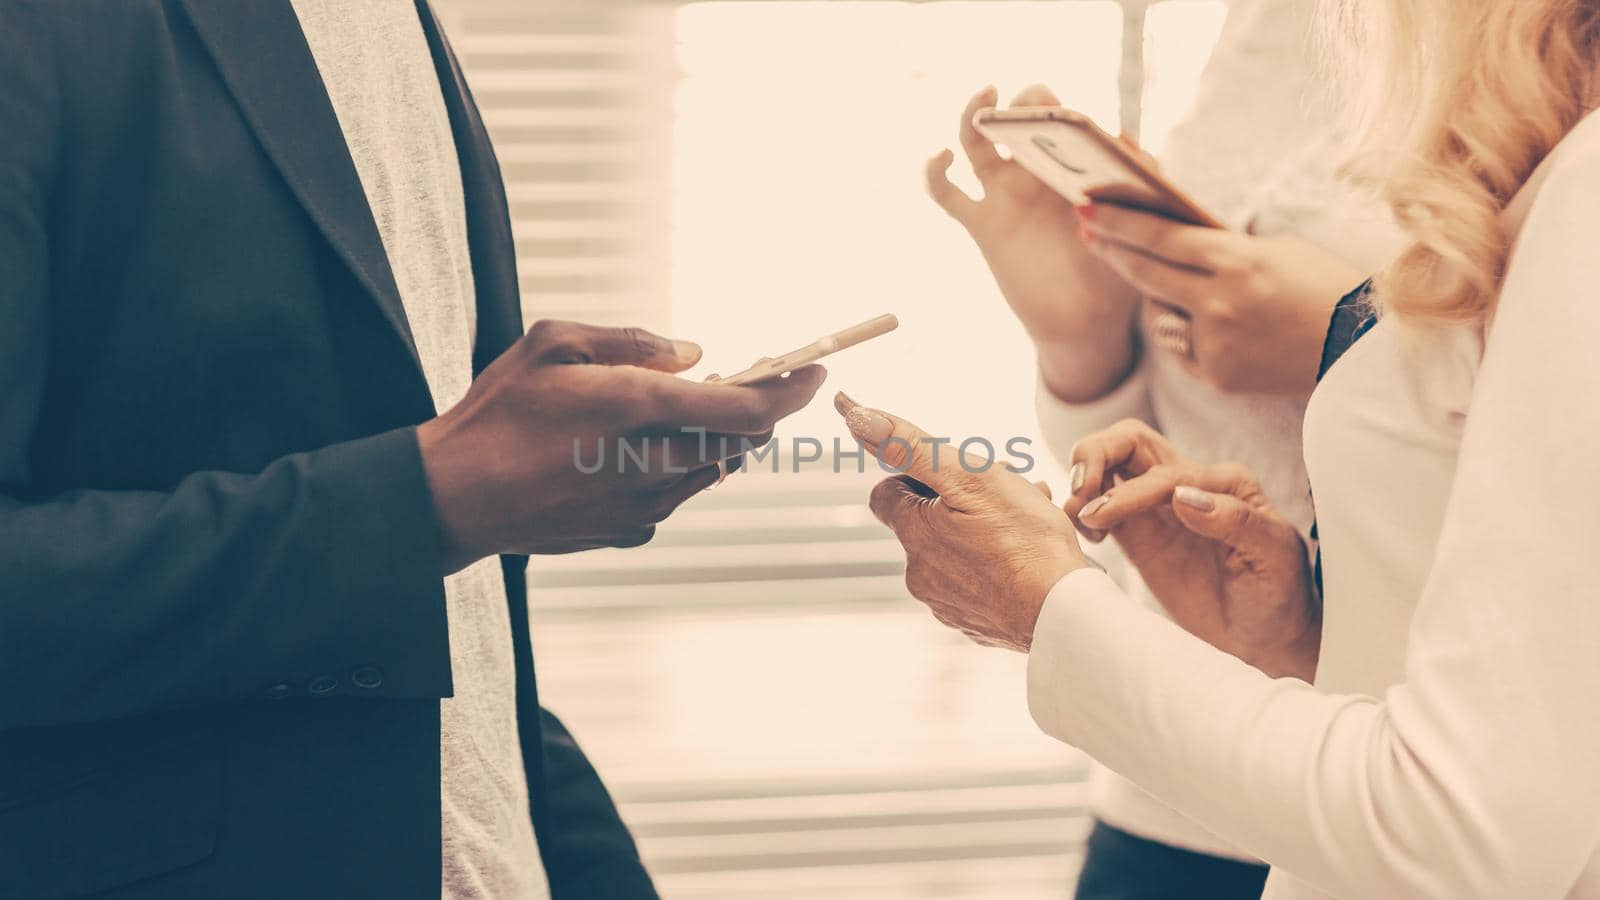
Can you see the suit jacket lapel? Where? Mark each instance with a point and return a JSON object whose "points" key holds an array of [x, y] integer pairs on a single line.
{"points": [[494, 253], [494, 276], [268, 67]]}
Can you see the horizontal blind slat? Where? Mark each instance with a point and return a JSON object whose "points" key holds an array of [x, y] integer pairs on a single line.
{"points": [[574, 98]]}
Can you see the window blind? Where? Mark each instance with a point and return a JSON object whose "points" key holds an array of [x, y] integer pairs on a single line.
{"points": [[577, 99]]}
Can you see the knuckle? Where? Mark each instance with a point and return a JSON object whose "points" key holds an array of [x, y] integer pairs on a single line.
{"points": [[659, 509], [885, 496], [1131, 428], [897, 453], [1253, 263], [636, 537], [755, 415], [758, 439], [1228, 264], [1220, 310], [916, 580], [1255, 281], [651, 503], [1165, 472], [555, 331], [746, 413], [1232, 259], [539, 333], [1235, 473], [554, 340], [639, 342]]}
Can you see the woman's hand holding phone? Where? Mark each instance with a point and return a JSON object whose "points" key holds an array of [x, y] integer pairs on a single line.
{"points": [[1257, 307], [1243, 312], [1080, 314]]}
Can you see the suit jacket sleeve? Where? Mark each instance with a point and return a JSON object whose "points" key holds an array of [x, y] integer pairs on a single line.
{"points": [[226, 585], [587, 850]]}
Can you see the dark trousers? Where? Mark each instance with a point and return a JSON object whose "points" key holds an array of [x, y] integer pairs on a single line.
{"points": [[1121, 866]]}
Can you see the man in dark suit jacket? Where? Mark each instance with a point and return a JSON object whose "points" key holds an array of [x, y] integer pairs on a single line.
{"points": [[227, 501]]}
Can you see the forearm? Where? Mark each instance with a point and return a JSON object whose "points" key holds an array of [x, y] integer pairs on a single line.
{"points": [[1062, 423], [1083, 370], [1081, 317], [118, 604], [1089, 343], [1357, 796]]}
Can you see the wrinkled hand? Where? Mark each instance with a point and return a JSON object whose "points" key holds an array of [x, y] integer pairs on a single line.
{"points": [[1226, 567], [506, 465], [982, 548], [1079, 313], [1258, 306]]}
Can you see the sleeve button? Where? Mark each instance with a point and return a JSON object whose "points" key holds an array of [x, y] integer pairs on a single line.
{"points": [[281, 691], [367, 677], [322, 684]]}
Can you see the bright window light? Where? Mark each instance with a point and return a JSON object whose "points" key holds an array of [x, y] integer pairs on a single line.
{"points": [[1178, 37], [800, 137]]}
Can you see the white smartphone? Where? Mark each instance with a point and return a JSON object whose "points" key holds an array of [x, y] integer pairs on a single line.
{"points": [[816, 350], [1080, 161]]}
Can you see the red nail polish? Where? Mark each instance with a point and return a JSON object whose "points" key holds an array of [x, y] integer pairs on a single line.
{"points": [[1086, 211]]}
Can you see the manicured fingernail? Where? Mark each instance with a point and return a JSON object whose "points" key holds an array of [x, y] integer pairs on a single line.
{"points": [[843, 403], [1085, 212], [1194, 498], [1077, 474], [1094, 507], [869, 425], [687, 352]]}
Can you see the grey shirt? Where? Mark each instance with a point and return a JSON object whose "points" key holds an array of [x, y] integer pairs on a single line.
{"points": [[379, 74]]}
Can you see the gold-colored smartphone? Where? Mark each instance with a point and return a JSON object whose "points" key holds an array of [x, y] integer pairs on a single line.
{"points": [[814, 351], [1080, 161]]}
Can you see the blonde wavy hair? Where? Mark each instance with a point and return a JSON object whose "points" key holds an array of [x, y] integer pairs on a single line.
{"points": [[1466, 98]]}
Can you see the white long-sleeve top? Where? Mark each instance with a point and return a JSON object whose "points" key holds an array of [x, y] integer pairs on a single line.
{"points": [[1259, 149], [1451, 746]]}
